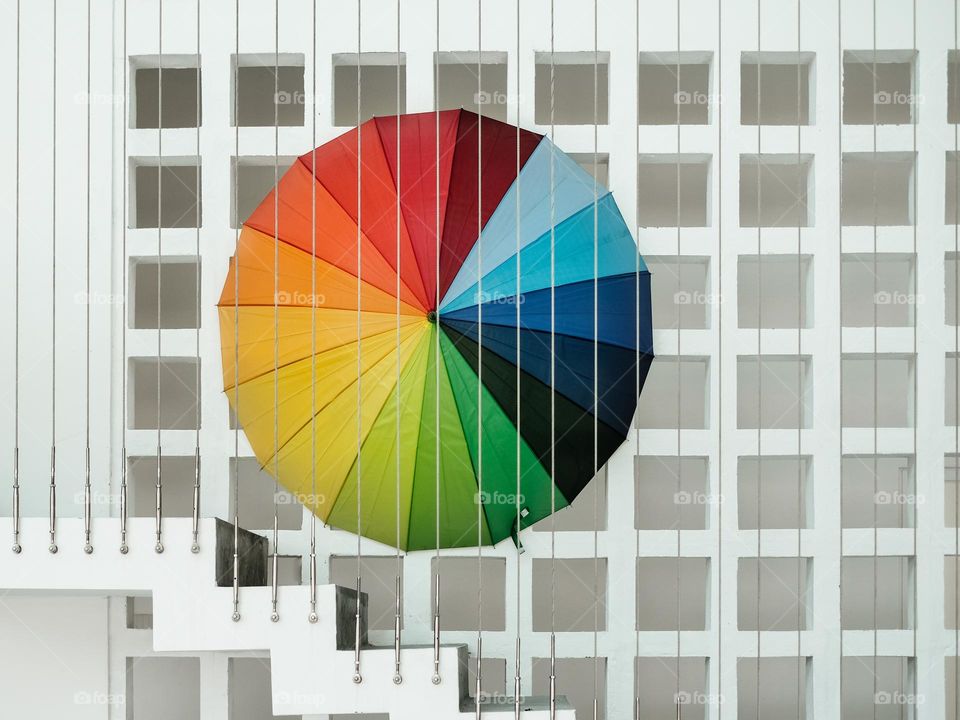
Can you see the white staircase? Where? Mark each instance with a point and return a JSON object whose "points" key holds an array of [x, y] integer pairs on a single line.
{"points": [[312, 663]]}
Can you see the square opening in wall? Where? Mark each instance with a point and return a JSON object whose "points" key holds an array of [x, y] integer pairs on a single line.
{"points": [[577, 679], [674, 190], [877, 486], [951, 188], [587, 512], [952, 372], [460, 84], [376, 81], [165, 85], [177, 278], [877, 190], [140, 612], [892, 382], [289, 570], [878, 688], [877, 593], [778, 685], [599, 169], [951, 488], [680, 291], [579, 603], [664, 501], [774, 391], [269, 90], [657, 593], [573, 75], [878, 87], [675, 394], [178, 476], [782, 594], [674, 88], [459, 588], [881, 284], [776, 190], [493, 679], [774, 291], [259, 493], [250, 690], [159, 688], [378, 579], [663, 683], [785, 492], [775, 88], [168, 193], [252, 179], [953, 87], [950, 610], [178, 392]]}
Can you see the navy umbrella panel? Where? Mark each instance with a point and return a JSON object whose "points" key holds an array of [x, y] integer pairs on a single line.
{"points": [[584, 343]]}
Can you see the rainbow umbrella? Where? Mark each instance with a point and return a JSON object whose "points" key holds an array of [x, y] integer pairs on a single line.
{"points": [[458, 391]]}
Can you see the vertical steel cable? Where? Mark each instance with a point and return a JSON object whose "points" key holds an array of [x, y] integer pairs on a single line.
{"points": [[274, 584], [397, 618], [840, 73], [87, 492], [195, 544], [158, 545], [719, 475], [956, 369], [553, 373], [840, 77], [436, 679], [759, 472], [876, 388], [477, 692], [16, 317], [679, 383], [357, 677], [123, 332], [801, 209], [52, 502], [596, 398], [312, 616], [236, 317], [636, 370], [519, 487]]}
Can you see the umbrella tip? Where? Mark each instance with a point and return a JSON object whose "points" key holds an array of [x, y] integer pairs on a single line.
{"points": [[432, 316]]}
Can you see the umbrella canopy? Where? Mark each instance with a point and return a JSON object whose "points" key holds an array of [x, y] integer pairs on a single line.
{"points": [[427, 371]]}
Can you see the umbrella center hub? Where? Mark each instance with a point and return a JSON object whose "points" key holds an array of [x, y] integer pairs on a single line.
{"points": [[432, 316]]}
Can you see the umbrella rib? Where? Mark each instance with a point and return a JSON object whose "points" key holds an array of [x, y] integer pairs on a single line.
{"points": [[304, 425], [270, 370]]}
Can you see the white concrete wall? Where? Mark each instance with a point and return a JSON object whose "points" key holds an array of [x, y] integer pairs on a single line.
{"points": [[826, 28]]}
